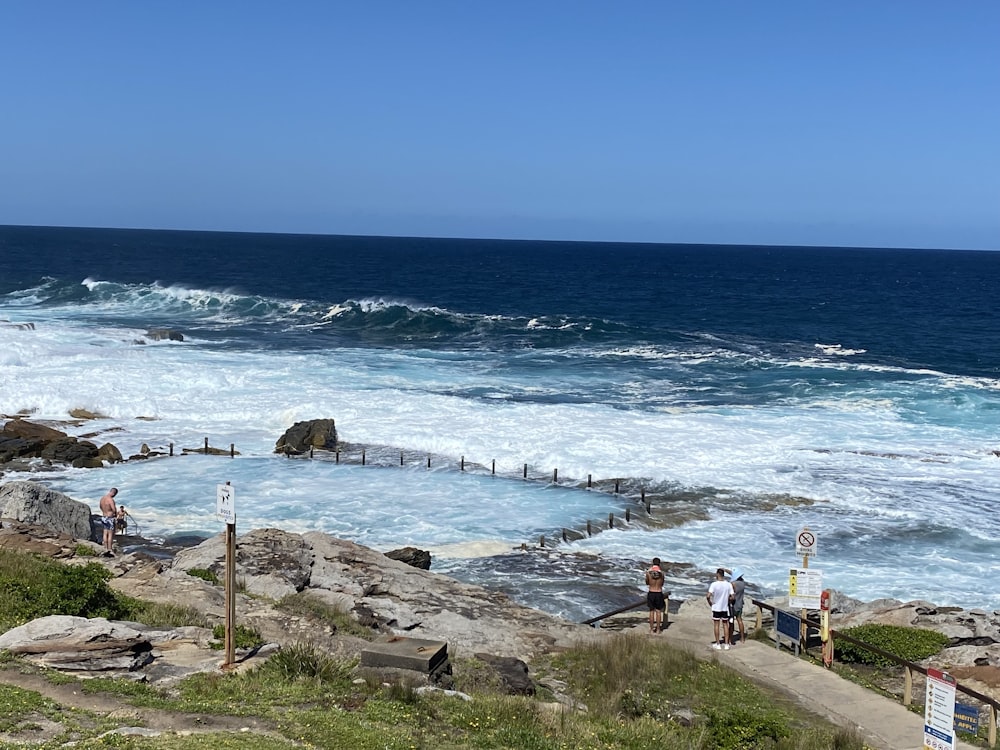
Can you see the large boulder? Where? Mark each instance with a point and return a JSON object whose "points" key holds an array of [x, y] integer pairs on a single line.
{"points": [[313, 433], [79, 644], [30, 502]]}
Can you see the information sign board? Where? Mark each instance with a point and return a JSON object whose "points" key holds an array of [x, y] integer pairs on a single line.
{"points": [[939, 711], [225, 503], [966, 718], [805, 587]]}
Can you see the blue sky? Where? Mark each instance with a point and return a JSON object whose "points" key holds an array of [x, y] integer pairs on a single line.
{"points": [[847, 123]]}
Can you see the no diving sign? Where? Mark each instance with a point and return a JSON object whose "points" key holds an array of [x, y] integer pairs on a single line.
{"points": [[805, 542]]}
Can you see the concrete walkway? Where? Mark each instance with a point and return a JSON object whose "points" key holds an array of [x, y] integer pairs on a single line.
{"points": [[882, 722]]}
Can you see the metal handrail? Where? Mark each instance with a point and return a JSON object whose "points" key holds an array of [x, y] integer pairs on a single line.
{"points": [[909, 665]]}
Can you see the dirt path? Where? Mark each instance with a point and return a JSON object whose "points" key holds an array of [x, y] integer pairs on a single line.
{"points": [[128, 715]]}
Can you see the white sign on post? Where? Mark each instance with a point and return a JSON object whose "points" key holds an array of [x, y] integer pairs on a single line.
{"points": [[939, 711], [805, 542], [225, 503], [805, 587]]}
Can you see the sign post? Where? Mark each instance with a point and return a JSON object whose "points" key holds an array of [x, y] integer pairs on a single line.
{"points": [[225, 509], [939, 711], [824, 628], [805, 546]]}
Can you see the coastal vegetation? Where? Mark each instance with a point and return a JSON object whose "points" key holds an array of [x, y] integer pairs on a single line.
{"points": [[911, 644], [624, 693]]}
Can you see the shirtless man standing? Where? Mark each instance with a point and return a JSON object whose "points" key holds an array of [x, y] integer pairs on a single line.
{"points": [[109, 513], [654, 597]]}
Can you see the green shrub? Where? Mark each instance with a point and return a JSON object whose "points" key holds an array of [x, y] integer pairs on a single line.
{"points": [[243, 637], [32, 587], [205, 575], [83, 550], [744, 728], [912, 644]]}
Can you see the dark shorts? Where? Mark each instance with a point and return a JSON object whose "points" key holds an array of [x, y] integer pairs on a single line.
{"points": [[656, 600], [723, 615], [108, 522]]}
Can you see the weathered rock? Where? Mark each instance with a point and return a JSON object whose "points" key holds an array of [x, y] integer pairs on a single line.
{"points": [[301, 436], [418, 558], [512, 672], [38, 540], [69, 449], [22, 428], [35, 503], [79, 644], [110, 453], [271, 562], [85, 414], [391, 596]]}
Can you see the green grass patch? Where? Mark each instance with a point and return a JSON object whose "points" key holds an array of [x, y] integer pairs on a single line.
{"points": [[204, 574], [308, 605], [243, 637], [83, 550]]}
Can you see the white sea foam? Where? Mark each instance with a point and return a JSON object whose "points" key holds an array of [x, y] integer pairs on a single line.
{"points": [[884, 478]]}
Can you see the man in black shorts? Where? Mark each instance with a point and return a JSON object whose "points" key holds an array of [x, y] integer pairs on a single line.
{"points": [[654, 597]]}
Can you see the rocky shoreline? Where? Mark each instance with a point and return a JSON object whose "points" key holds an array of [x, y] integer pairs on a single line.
{"points": [[386, 595]]}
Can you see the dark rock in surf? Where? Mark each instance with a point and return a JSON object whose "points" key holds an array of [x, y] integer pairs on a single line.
{"points": [[418, 558], [302, 436], [167, 334]]}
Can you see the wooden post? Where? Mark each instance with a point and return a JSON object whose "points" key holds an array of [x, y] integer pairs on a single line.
{"points": [[590, 481], [611, 520], [804, 624], [526, 471], [428, 461], [206, 446], [401, 458], [628, 516], [642, 495], [907, 686], [647, 507], [230, 641], [555, 476], [494, 469], [564, 535], [541, 541], [171, 449], [362, 456], [588, 527], [992, 739], [311, 451], [616, 486], [338, 455]]}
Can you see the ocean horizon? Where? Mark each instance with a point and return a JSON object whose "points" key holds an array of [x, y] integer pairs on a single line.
{"points": [[747, 392]]}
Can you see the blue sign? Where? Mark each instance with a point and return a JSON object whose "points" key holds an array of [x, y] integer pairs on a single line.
{"points": [[966, 718], [787, 624]]}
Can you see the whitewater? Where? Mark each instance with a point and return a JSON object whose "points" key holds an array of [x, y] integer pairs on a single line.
{"points": [[739, 440]]}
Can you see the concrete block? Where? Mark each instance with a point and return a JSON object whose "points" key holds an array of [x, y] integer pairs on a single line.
{"points": [[400, 652]]}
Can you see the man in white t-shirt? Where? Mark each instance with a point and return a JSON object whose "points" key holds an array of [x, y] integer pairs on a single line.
{"points": [[719, 595]]}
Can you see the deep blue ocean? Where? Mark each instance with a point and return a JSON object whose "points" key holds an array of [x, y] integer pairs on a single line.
{"points": [[749, 391]]}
